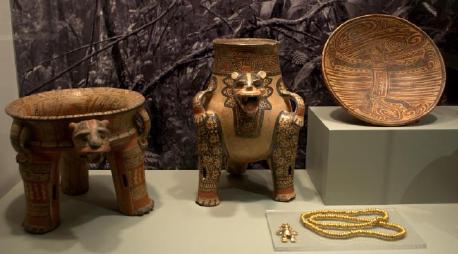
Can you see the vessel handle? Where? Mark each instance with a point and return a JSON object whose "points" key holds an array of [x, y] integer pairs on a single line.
{"points": [[144, 129], [19, 137], [198, 101], [298, 101]]}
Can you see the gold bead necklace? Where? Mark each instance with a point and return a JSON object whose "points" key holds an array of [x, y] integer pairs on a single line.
{"points": [[341, 224]]}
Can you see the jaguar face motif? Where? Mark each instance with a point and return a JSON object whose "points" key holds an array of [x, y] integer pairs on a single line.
{"points": [[249, 90], [91, 139], [247, 94]]}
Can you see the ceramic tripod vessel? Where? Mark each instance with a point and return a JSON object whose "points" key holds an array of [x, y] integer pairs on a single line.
{"points": [[246, 114], [58, 133]]}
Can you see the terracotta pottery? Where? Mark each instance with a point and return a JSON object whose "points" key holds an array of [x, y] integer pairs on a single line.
{"points": [[383, 70], [58, 133], [245, 115]]}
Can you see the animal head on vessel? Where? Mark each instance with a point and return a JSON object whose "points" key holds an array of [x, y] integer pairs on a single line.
{"points": [[91, 139], [248, 91]]}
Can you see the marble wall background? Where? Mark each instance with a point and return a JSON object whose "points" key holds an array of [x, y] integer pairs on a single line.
{"points": [[162, 48]]}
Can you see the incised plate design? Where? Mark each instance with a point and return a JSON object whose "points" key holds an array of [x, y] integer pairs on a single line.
{"points": [[384, 70]]}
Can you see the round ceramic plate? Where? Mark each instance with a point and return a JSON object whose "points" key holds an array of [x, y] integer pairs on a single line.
{"points": [[383, 70]]}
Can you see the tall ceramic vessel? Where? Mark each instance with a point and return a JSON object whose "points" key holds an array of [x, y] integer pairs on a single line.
{"points": [[56, 135], [245, 115]]}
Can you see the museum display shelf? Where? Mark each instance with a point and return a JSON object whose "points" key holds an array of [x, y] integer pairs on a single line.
{"points": [[353, 163], [91, 224]]}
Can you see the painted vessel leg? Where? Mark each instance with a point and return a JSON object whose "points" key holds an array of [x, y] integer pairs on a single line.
{"points": [[75, 176], [127, 167], [40, 175], [212, 159], [283, 158]]}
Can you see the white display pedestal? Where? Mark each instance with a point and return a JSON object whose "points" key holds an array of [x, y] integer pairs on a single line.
{"points": [[90, 223], [351, 162]]}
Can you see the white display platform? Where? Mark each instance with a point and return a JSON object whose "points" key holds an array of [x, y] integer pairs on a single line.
{"points": [[90, 223], [351, 162]]}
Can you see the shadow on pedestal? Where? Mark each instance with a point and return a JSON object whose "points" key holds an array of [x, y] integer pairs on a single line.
{"points": [[341, 115], [421, 189]]}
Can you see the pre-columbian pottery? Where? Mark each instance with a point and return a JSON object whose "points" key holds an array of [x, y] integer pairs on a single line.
{"points": [[58, 133], [383, 70], [245, 115]]}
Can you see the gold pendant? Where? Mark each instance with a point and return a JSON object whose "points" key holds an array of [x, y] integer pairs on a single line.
{"points": [[287, 233]]}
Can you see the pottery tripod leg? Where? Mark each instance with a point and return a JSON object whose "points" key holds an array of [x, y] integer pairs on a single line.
{"points": [[127, 167], [212, 159], [40, 175], [283, 157], [235, 168], [74, 170]]}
